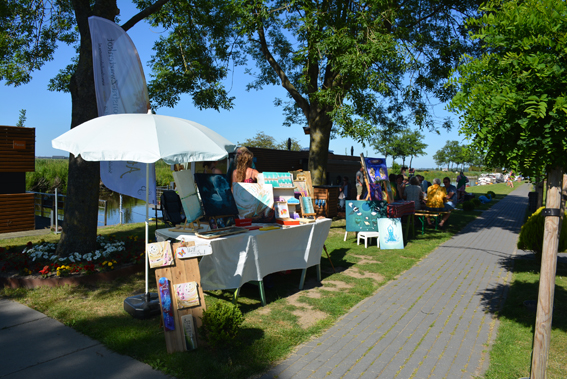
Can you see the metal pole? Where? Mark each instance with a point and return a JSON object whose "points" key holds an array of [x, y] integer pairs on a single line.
{"points": [[56, 213], [121, 211], [147, 216]]}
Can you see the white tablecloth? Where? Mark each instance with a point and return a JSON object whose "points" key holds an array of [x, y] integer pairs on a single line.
{"points": [[241, 258]]}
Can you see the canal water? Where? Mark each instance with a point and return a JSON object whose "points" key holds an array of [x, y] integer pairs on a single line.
{"points": [[133, 210]]}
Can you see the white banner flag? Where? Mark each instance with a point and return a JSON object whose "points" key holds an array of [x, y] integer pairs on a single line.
{"points": [[120, 87]]}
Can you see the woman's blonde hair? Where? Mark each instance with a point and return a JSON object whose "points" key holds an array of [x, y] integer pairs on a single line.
{"points": [[243, 161]]}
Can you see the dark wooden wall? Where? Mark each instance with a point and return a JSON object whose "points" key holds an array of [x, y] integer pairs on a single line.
{"points": [[17, 156]]}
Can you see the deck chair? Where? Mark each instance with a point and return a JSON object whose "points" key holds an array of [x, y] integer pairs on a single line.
{"points": [[171, 208]]}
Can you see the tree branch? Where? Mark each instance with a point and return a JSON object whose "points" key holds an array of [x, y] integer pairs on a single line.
{"points": [[303, 104], [144, 13]]}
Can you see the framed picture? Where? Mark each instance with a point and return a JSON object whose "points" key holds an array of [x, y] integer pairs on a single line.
{"points": [[213, 223], [391, 235], [220, 222], [188, 194], [216, 195], [376, 171], [362, 215], [255, 201]]}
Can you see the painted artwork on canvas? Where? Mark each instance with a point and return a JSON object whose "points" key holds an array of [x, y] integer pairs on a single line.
{"points": [[188, 194], [391, 236], [216, 195], [159, 254], [377, 170], [255, 201], [307, 205], [362, 215], [187, 295], [282, 210], [166, 308]]}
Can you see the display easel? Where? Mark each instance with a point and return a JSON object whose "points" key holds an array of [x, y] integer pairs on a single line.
{"points": [[182, 271], [189, 227]]}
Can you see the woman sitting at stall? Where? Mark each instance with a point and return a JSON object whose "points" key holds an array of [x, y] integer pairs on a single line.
{"points": [[436, 199], [244, 172], [413, 193]]}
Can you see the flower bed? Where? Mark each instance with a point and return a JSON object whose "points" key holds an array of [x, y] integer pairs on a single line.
{"points": [[41, 260]]}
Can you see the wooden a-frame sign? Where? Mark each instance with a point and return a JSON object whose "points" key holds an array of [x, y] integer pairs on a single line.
{"points": [[182, 271]]}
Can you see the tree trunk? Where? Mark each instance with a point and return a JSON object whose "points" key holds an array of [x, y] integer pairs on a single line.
{"points": [[542, 333], [81, 206], [320, 131], [410, 161]]}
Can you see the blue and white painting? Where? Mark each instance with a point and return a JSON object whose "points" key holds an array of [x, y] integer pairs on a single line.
{"points": [[391, 236]]}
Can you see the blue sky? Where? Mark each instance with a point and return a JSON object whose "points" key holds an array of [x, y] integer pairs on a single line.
{"points": [[50, 112]]}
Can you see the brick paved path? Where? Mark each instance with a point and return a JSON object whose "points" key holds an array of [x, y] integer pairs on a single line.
{"points": [[435, 321]]}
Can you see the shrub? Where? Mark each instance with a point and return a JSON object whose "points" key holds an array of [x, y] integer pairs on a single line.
{"points": [[468, 206], [221, 324], [476, 202], [491, 193], [531, 234]]}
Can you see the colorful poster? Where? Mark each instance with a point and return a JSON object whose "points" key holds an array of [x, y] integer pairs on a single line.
{"points": [[391, 236], [255, 201], [159, 254], [216, 195], [362, 216], [376, 170], [187, 295], [166, 307], [188, 194]]}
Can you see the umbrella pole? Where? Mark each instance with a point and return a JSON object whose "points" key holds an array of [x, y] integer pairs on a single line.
{"points": [[147, 216]]}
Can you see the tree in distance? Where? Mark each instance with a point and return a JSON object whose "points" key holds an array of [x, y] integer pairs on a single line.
{"points": [[407, 143], [265, 141]]}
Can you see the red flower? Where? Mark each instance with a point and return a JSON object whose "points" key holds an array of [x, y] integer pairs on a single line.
{"points": [[45, 270]]}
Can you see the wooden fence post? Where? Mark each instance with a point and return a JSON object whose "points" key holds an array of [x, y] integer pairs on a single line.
{"points": [[542, 333]]}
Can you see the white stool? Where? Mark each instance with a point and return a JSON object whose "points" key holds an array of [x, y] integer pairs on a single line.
{"points": [[365, 236]]}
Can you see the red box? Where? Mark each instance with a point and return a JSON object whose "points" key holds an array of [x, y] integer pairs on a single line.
{"points": [[287, 221], [243, 221]]}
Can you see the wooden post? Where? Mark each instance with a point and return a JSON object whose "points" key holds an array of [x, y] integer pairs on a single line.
{"points": [[539, 190], [542, 333]]}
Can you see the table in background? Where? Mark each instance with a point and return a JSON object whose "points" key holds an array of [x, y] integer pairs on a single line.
{"points": [[250, 256]]}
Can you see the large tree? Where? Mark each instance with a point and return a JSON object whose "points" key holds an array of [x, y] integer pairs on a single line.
{"points": [[513, 105], [30, 31], [406, 143], [348, 68]]}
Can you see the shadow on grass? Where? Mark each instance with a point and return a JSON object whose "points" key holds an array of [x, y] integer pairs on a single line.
{"points": [[521, 296]]}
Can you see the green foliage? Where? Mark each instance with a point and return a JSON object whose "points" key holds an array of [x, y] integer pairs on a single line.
{"points": [[221, 324], [468, 206], [348, 69], [22, 118], [476, 202], [531, 234], [406, 143], [395, 169], [29, 32], [48, 175], [491, 194], [512, 99], [265, 141]]}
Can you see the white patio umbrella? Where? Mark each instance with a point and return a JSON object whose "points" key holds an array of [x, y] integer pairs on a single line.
{"points": [[144, 138]]}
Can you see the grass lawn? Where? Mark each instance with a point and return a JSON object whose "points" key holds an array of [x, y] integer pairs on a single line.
{"points": [[269, 333]]}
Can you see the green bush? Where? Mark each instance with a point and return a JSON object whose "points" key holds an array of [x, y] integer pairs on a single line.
{"points": [[476, 202], [531, 234], [221, 324], [468, 205], [491, 193]]}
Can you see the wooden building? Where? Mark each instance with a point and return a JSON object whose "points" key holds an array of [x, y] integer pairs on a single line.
{"points": [[17, 156]]}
